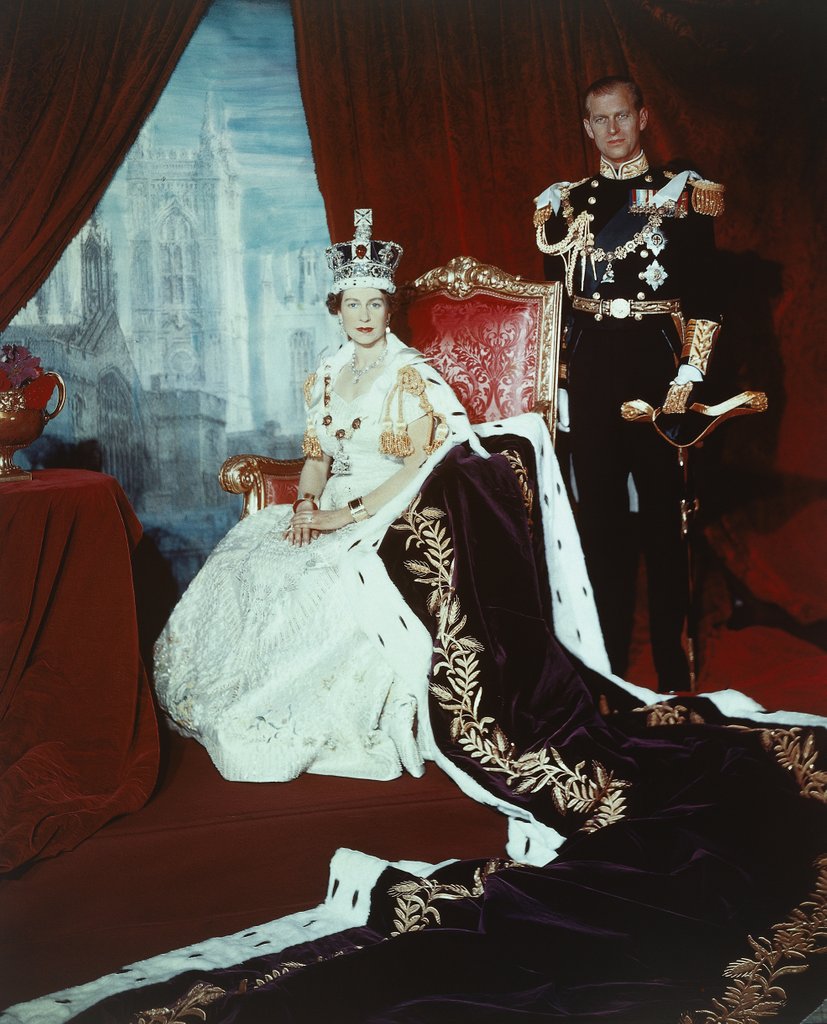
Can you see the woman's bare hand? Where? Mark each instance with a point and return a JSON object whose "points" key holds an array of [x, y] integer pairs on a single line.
{"points": [[308, 523]]}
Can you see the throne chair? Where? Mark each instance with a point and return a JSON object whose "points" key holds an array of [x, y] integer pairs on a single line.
{"points": [[493, 337]]}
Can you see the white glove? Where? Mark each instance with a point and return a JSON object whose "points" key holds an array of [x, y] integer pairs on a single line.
{"points": [[563, 424], [680, 388], [688, 374]]}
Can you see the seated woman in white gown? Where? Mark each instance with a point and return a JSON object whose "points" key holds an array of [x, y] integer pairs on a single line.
{"points": [[265, 660]]}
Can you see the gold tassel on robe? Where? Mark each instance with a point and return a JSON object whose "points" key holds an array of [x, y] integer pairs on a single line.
{"points": [[310, 443], [395, 439]]}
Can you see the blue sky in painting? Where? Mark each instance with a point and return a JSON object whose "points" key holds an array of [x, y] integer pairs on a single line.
{"points": [[243, 54]]}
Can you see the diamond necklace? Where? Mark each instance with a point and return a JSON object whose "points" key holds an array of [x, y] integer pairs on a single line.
{"points": [[359, 374]]}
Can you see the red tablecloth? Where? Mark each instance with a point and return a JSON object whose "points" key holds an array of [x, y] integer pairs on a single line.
{"points": [[78, 733]]}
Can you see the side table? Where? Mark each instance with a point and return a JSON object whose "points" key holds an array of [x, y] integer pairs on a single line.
{"points": [[78, 731]]}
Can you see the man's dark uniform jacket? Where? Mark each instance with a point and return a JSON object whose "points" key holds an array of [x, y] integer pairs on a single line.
{"points": [[636, 249]]}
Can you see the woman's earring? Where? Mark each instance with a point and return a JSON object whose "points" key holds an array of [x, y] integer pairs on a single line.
{"points": [[342, 328]]}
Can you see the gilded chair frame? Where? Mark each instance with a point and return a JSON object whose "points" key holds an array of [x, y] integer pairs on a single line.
{"points": [[247, 475]]}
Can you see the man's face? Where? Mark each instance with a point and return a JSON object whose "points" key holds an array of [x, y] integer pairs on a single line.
{"points": [[615, 125]]}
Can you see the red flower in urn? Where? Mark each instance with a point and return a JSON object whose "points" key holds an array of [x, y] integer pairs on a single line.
{"points": [[19, 368], [25, 390]]}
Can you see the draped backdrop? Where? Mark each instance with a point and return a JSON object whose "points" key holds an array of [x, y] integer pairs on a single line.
{"points": [[447, 118], [78, 78]]}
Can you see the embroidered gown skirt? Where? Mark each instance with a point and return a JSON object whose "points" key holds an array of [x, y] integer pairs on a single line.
{"points": [[264, 661]]}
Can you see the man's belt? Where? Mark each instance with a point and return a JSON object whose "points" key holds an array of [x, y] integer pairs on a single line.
{"points": [[619, 309]]}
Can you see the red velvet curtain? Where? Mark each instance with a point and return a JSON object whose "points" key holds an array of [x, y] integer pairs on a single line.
{"points": [[447, 118], [79, 77]]}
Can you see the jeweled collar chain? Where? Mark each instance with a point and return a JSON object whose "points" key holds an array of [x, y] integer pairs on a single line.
{"points": [[630, 169]]}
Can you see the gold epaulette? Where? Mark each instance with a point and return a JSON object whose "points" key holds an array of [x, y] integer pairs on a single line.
{"points": [[542, 215], [708, 197]]}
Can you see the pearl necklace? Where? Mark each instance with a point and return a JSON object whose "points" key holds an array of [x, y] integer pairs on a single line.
{"points": [[359, 374]]}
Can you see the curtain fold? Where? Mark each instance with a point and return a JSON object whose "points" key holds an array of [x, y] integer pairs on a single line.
{"points": [[448, 118], [79, 78]]}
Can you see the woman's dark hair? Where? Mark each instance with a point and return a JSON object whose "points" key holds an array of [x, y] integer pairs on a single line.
{"points": [[334, 301]]}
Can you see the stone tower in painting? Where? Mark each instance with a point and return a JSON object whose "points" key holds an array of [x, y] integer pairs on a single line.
{"points": [[187, 296], [72, 324], [293, 328]]}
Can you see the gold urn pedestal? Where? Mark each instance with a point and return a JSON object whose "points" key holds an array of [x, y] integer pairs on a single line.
{"points": [[20, 426], [10, 471]]}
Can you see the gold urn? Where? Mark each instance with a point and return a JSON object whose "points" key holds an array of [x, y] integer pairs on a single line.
{"points": [[21, 425]]}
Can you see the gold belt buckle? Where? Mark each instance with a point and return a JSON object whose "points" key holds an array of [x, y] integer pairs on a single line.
{"points": [[620, 308]]}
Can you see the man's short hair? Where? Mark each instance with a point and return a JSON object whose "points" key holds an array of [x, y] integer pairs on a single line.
{"points": [[609, 84]]}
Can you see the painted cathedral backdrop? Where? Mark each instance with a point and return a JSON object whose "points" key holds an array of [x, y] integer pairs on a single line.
{"points": [[186, 314]]}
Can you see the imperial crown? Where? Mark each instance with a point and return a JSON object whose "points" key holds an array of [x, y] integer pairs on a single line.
{"points": [[363, 263]]}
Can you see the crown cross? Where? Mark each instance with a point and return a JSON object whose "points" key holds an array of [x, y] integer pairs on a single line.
{"points": [[363, 262]]}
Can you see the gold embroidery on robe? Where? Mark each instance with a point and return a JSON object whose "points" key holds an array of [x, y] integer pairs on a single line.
{"points": [[278, 972], [669, 714], [521, 473], [795, 750], [754, 993], [188, 1008], [414, 898], [456, 686]]}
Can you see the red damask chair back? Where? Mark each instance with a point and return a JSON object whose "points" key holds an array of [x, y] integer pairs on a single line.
{"points": [[495, 338]]}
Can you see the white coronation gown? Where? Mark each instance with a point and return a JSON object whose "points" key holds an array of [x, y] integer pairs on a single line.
{"points": [[263, 660]]}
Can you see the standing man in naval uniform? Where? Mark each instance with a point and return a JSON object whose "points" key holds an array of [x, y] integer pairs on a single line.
{"points": [[636, 249]]}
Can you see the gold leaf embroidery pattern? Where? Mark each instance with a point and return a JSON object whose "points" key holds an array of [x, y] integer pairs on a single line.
{"points": [[795, 750], [188, 1007], [279, 972], [309, 384], [414, 898], [456, 686], [755, 992], [521, 473], [291, 965], [669, 714]]}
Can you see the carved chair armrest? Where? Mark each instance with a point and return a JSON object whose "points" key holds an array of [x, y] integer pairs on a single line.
{"points": [[261, 480]]}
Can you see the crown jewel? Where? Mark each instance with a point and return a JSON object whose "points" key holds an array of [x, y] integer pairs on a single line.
{"points": [[363, 263]]}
